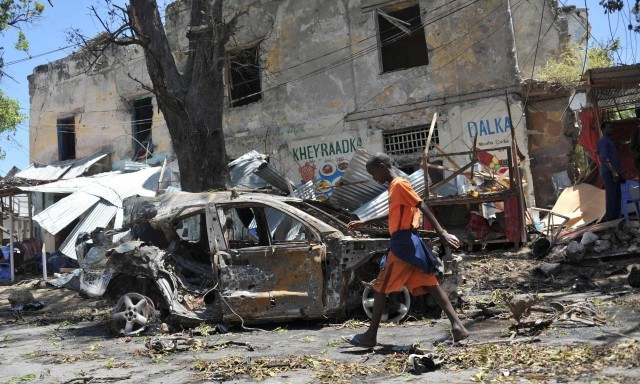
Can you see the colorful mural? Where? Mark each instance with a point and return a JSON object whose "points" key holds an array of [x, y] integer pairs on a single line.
{"points": [[323, 161]]}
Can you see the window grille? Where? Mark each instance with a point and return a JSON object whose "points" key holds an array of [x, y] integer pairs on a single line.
{"points": [[409, 141]]}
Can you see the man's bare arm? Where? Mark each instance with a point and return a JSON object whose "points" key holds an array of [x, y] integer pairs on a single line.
{"points": [[445, 237]]}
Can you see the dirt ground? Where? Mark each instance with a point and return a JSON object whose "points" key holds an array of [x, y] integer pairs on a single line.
{"points": [[582, 326]]}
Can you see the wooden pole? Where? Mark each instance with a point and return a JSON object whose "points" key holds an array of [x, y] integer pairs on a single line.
{"points": [[30, 208], [164, 166], [44, 261], [516, 174], [425, 156], [11, 261]]}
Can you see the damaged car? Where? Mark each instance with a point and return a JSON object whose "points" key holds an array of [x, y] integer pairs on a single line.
{"points": [[225, 257]]}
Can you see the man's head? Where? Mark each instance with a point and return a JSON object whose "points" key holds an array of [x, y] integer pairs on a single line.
{"points": [[606, 128], [379, 167]]}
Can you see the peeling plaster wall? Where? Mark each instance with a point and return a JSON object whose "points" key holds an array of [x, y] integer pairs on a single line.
{"points": [[99, 98], [557, 27], [319, 66]]}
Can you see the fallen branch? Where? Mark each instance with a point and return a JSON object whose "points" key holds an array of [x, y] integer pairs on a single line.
{"points": [[86, 379]]}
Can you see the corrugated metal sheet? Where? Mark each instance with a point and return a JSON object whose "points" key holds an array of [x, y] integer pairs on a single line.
{"points": [[71, 185], [133, 166], [122, 185], [117, 224], [271, 176], [380, 205], [67, 169], [83, 165], [59, 215], [357, 186], [113, 188], [306, 191], [242, 171], [100, 216]]}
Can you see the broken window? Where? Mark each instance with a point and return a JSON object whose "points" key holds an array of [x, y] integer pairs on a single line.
{"points": [[259, 226], [142, 116], [66, 138], [189, 228], [284, 228], [401, 37], [243, 74], [244, 227]]}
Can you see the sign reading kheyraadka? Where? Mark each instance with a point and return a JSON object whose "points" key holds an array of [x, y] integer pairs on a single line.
{"points": [[322, 160]]}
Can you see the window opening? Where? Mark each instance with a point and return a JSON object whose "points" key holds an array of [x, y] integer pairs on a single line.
{"points": [[66, 138], [243, 71], [142, 116], [409, 141], [189, 228], [402, 39], [284, 228], [244, 227]]}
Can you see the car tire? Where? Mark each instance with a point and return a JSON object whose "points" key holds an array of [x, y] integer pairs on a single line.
{"points": [[396, 308], [133, 314]]}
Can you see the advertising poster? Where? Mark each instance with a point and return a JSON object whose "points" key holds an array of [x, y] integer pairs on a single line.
{"points": [[323, 161]]}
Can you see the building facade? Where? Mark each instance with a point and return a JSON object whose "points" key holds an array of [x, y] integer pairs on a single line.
{"points": [[310, 81]]}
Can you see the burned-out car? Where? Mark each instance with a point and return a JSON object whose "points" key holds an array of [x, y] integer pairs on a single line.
{"points": [[228, 257]]}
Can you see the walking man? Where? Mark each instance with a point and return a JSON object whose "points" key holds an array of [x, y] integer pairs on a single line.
{"points": [[409, 261], [610, 172]]}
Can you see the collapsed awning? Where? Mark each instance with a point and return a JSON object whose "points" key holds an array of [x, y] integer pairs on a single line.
{"points": [[68, 169], [99, 197]]}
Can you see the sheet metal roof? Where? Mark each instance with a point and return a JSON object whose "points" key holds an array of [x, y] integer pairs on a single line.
{"points": [[87, 191], [270, 175], [242, 171], [617, 86], [67, 169], [59, 215], [100, 216]]}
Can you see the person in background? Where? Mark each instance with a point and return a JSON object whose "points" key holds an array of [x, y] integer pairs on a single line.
{"points": [[610, 172], [409, 261]]}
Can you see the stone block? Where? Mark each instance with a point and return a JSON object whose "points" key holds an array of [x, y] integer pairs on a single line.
{"points": [[589, 238]]}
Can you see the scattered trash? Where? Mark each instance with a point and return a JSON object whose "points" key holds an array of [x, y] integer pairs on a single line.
{"points": [[419, 364]]}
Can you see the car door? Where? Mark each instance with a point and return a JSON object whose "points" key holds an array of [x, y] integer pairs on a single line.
{"points": [[273, 267]]}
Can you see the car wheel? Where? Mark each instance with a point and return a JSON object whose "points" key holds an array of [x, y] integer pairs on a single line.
{"points": [[132, 314], [396, 308]]}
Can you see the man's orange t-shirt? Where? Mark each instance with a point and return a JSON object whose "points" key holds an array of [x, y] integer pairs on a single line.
{"points": [[403, 200]]}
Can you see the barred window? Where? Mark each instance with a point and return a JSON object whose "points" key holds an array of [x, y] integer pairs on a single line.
{"points": [[409, 141]]}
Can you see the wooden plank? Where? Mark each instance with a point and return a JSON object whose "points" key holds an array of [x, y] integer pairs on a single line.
{"points": [[425, 156], [516, 176], [450, 177]]}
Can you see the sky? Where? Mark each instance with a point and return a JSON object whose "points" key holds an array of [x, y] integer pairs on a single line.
{"points": [[50, 34]]}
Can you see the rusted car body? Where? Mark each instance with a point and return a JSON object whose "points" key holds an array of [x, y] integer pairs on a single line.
{"points": [[253, 257]]}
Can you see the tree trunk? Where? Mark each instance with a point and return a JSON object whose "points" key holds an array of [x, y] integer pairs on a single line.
{"points": [[192, 102]]}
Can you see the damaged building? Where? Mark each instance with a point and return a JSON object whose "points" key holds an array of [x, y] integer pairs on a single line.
{"points": [[309, 83]]}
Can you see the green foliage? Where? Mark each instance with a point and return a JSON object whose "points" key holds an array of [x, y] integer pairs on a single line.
{"points": [[10, 116], [611, 6], [566, 69], [14, 12]]}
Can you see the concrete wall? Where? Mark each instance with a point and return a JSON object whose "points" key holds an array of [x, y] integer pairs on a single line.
{"points": [[321, 79], [552, 141]]}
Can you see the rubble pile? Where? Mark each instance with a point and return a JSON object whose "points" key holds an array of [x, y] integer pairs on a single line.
{"points": [[623, 239]]}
